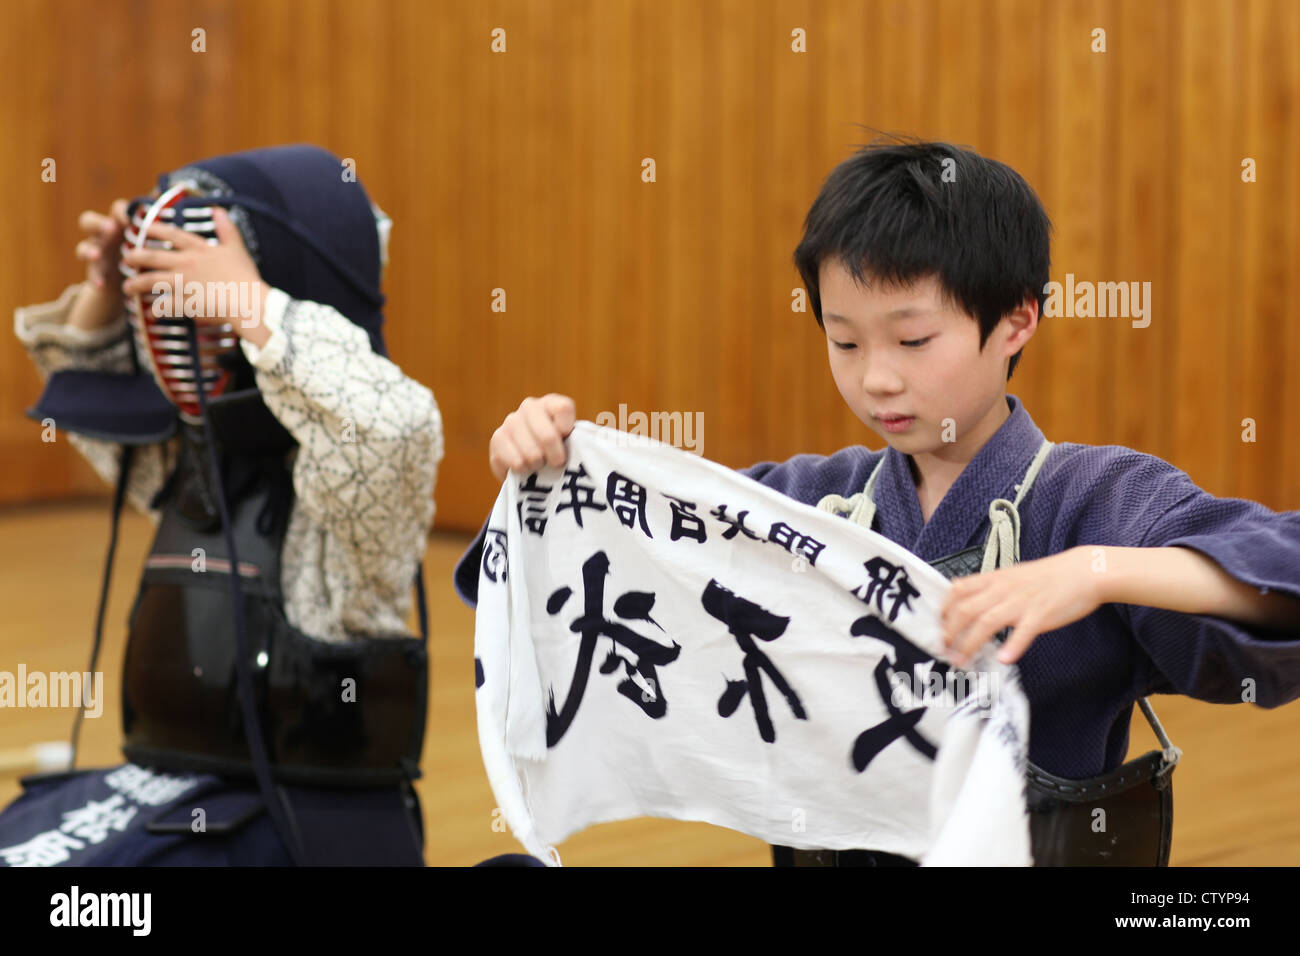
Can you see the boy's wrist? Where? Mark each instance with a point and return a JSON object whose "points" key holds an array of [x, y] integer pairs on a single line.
{"points": [[1123, 575], [1096, 562]]}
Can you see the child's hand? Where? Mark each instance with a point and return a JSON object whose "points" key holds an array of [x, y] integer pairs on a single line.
{"points": [[100, 300], [1034, 597], [194, 260], [532, 436], [101, 249]]}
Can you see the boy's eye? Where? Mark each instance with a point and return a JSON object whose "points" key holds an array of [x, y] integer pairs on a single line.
{"points": [[911, 344]]}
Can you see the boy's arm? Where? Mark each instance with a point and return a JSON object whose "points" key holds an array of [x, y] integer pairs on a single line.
{"points": [[1181, 579], [1208, 587], [54, 345], [370, 440], [1242, 639]]}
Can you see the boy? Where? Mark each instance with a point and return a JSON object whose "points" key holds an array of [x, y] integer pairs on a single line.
{"points": [[927, 288], [328, 457]]}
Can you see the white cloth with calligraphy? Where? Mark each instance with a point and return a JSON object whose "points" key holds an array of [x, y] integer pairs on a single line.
{"points": [[648, 736]]}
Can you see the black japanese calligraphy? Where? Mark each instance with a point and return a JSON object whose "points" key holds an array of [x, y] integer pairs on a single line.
{"points": [[900, 724], [592, 624], [686, 523], [580, 495], [747, 621], [495, 563], [887, 582], [627, 498], [794, 542], [533, 501], [737, 524]]}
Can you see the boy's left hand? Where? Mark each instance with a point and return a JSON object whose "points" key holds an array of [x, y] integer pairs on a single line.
{"points": [[194, 260], [1031, 597]]}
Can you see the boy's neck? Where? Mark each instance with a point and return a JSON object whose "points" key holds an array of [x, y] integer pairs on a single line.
{"points": [[935, 472]]}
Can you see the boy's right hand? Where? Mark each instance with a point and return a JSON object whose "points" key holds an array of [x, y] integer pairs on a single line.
{"points": [[532, 436]]}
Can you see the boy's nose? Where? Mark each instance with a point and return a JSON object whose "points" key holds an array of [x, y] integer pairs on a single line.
{"points": [[878, 379]]}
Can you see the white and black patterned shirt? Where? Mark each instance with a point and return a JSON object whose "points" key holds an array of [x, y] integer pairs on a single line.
{"points": [[369, 443]]}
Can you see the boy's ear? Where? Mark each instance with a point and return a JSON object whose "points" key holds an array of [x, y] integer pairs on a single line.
{"points": [[1022, 323]]}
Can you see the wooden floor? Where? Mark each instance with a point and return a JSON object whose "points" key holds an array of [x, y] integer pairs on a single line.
{"points": [[1236, 789]]}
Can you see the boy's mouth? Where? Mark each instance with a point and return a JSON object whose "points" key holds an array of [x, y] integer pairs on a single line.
{"points": [[895, 423]]}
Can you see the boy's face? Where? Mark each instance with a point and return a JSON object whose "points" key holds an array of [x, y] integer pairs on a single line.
{"points": [[906, 351]]}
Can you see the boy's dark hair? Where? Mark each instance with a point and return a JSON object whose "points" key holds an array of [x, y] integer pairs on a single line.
{"points": [[898, 211]]}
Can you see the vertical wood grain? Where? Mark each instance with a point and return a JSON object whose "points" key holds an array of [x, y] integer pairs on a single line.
{"points": [[522, 171]]}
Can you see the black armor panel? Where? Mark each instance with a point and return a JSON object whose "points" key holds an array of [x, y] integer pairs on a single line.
{"points": [[332, 714]]}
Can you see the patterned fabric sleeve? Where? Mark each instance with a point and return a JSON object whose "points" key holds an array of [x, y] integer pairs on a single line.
{"points": [[54, 346], [370, 440]]}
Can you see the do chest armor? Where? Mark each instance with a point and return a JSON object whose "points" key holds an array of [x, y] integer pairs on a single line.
{"points": [[330, 714]]}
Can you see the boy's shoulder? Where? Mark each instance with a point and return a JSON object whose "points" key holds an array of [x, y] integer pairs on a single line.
{"points": [[810, 477], [1092, 471], [1108, 492], [1109, 468]]}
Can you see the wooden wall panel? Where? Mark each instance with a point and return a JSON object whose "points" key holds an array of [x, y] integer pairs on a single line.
{"points": [[522, 171]]}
